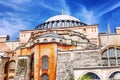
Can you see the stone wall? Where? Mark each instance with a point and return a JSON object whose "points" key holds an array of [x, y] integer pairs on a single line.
{"points": [[111, 39], [68, 60], [3, 62], [23, 68], [88, 58], [64, 66]]}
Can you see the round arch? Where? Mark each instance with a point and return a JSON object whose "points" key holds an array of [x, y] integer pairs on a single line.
{"points": [[110, 56], [11, 78], [12, 65], [114, 75], [45, 77], [89, 75], [107, 47]]}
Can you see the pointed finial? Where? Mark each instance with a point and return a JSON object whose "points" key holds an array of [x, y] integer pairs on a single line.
{"points": [[62, 12], [109, 29]]}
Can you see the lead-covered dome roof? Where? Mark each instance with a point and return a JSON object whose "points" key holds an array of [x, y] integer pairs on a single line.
{"points": [[60, 21], [62, 17]]}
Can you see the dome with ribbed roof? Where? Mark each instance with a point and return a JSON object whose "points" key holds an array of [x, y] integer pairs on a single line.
{"points": [[60, 21], [62, 17]]}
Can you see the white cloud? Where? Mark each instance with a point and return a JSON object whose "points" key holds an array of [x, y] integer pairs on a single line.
{"points": [[18, 5], [56, 6], [93, 16], [108, 9], [87, 16], [9, 4], [12, 25]]}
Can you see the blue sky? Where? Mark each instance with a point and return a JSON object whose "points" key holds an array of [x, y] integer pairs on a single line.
{"points": [[16, 15]]}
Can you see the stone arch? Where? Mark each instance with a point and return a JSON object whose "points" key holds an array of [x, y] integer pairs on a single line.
{"points": [[11, 78], [12, 65], [91, 75], [102, 50], [114, 75], [45, 77], [109, 54]]}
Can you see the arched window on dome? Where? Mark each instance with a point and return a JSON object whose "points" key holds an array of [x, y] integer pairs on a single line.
{"points": [[75, 23], [111, 57], [49, 25], [45, 61], [79, 24], [46, 26], [45, 77], [63, 24], [54, 24], [60, 23], [67, 23], [42, 26]]}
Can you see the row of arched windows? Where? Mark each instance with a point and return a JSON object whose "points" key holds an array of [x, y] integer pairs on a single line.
{"points": [[53, 40], [93, 76], [59, 24], [111, 57]]}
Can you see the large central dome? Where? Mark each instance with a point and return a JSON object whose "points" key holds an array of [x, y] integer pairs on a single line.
{"points": [[60, 21], [62, 17]]}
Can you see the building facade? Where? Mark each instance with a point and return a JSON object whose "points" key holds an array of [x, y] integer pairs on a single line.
{"points": [[61, 48]]}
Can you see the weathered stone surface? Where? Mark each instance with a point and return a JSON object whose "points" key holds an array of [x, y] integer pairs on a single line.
{"points": [[23, 68], [75, 59], [64, 66]]}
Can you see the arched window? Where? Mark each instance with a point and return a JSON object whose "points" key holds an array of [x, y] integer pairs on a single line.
{"points": [[89, 76], [12, 66], [53, 39], [11, 78], [45, 40], [45, 77], [60, 41], [115, 76], [45, 62], [111, 57]]}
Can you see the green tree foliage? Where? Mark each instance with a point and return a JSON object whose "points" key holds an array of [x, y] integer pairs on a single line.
{"points": [[86, 77]]}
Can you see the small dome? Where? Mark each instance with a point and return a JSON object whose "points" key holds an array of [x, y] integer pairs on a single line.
{"points": [[62, 17]]}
